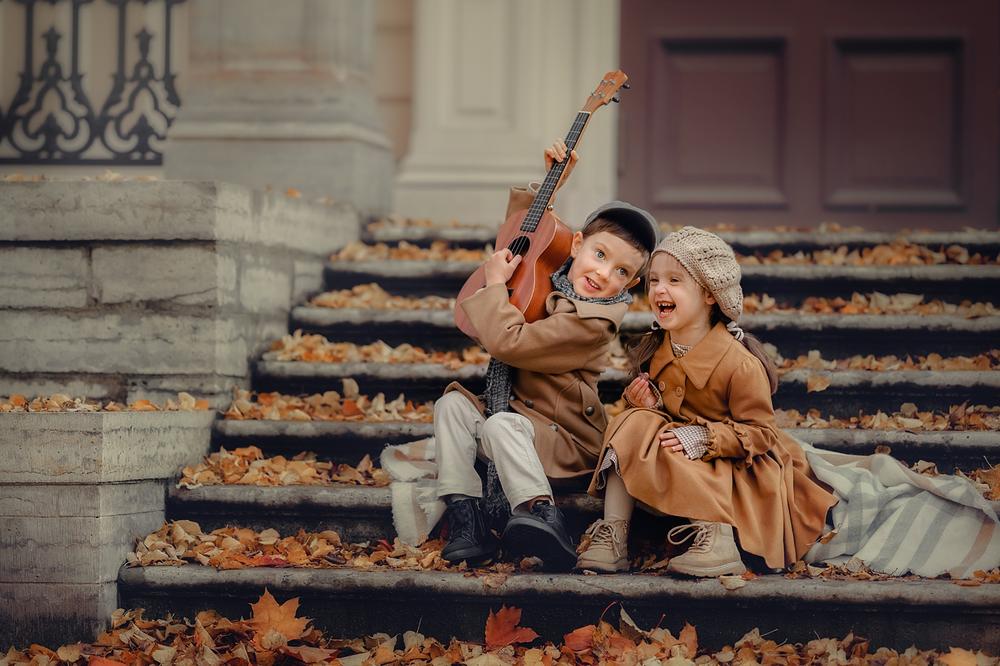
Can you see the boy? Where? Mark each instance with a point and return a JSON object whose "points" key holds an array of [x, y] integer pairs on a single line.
{"points": [[556, 421]]}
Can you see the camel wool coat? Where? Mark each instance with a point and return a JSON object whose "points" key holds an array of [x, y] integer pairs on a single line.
{"points": [[556, 362], [754, 476]]}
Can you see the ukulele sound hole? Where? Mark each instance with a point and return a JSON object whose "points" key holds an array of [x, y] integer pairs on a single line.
{"points": [[520, 245]]}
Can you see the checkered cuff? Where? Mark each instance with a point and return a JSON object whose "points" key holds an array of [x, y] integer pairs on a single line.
{"points": [[694, 439]]}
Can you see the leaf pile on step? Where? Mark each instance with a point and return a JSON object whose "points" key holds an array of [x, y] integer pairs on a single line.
{"points": [[401, 222], [314, 348], [183, 541], [438, 251], [897, 253], [909, 417], [247, 465], [814, 361], [59, 402], [373, 297], [348, 405], [875, 303], [275, 634]]}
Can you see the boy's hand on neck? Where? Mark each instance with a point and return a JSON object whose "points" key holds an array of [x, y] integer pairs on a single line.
{"points": [[500, 266]]}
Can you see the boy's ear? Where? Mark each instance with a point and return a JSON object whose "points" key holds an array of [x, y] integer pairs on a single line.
{"points": [[634, 282], [577, 242]]}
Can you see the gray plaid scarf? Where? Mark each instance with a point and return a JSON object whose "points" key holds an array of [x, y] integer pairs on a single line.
{"points": [[498, 394]]}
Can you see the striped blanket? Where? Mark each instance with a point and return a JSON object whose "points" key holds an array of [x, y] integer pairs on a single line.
{"points": [[889, 518], [896, 521]]}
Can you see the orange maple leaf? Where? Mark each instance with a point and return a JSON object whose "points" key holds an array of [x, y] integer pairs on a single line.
{"points": [[689, 639], [350, 408], [268, 616], [502, 629], [580, 639], [96, 660]]}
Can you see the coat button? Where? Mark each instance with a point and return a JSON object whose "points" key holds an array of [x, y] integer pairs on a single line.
{"points": [[589, 411], [529, 404], [554, 426], [679, 391], [663, 386]]}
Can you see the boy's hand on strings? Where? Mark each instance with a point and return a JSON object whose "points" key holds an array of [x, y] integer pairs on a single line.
{"points": [[668, 440], [500, 266], [557, 153], [640, 393]]}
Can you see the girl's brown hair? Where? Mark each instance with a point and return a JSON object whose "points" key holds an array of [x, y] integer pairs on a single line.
{"points": [[641, 348]]}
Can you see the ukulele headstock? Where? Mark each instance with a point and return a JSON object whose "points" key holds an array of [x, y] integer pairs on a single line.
{"points": [[606, 91]]}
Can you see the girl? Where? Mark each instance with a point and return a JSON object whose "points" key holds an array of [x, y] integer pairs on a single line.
{"points": [[699, 439]]}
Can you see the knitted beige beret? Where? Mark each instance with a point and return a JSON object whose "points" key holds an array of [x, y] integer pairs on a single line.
{"points": [[711, 262]]}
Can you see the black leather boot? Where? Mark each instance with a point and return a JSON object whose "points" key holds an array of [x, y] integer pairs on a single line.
{"points": [[468, 537], [541, 533]]}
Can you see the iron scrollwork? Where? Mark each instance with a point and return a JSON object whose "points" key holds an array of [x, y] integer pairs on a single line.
{"points": [[51, 119]]}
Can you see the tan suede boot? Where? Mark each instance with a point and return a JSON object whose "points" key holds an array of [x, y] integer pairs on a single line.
{"points": [[712, 553], [608, 550]]}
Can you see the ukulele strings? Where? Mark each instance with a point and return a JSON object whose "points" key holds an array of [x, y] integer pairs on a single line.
{"points": [[520, 244]]}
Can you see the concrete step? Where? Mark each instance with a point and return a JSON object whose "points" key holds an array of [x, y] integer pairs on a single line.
{"points": [[348, 442], [357, 513], [345, 602], [744, 242], [849, 391], [786, 283], [836, 336]]}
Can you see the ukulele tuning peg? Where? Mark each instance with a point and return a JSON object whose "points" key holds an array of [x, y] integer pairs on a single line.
{"points": [[626, 86], [616, 99]]}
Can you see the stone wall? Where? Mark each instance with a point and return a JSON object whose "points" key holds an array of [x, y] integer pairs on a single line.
{"points": [[122, 290], [76, 491]]}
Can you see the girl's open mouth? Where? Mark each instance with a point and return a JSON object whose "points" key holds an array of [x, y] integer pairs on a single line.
{"points": [[665, 308]]}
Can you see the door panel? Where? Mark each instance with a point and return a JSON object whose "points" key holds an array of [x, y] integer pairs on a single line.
{"points": [[782, 112]]}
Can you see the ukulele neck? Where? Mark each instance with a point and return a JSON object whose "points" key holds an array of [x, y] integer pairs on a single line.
{"points": [[548, 188]]}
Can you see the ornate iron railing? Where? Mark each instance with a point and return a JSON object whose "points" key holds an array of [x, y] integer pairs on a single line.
{"points": [[52, 118]]}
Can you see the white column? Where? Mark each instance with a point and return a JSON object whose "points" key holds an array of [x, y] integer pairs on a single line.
{"points": [[280, 95], [496, 81]]}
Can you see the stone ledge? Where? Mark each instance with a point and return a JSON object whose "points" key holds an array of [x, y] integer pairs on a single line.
{"points": [[72, 549], [43, 277], [80, 500], [54, 614], [76, 210], [101, 447], [130, 341], [891, 613]]}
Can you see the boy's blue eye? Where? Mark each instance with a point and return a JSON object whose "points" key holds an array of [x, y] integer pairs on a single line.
{"points": [[600, 254], [622, 272]]}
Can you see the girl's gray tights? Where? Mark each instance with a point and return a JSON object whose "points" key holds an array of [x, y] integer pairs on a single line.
{"points": [[618, 504]]}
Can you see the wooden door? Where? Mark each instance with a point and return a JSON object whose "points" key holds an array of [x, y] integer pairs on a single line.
{"points": [[797, 112]]}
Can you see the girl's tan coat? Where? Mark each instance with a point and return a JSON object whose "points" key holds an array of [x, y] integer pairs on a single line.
{"points": [[558, 360], [754, 477]]}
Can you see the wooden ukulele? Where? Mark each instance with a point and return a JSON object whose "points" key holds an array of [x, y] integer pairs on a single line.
{"points": [[536, 234]]}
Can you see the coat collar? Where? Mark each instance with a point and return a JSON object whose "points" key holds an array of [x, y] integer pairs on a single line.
{"points": [[699, 363]]}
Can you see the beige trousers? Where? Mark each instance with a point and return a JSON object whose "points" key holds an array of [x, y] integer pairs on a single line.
{"points": [[461, 434]]}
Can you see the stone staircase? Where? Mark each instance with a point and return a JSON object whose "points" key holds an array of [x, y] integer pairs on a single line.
{"points": [[353, 602]]}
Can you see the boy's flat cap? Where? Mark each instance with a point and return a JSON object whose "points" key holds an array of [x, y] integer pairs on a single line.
{"points": [[642, 225]]}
